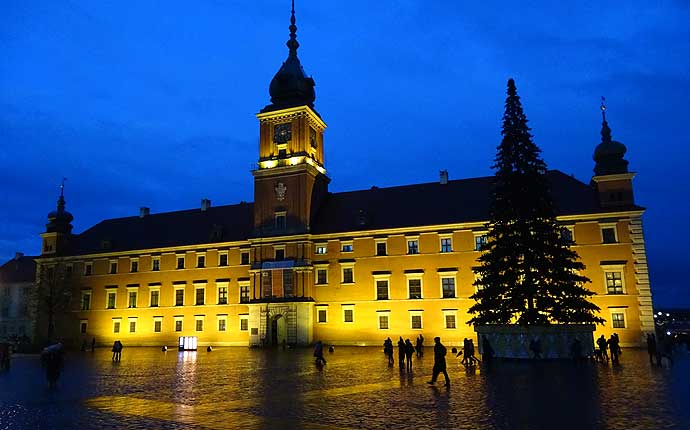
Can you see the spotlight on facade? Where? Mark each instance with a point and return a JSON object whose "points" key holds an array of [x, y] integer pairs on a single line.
{"points": [[187, 343]]}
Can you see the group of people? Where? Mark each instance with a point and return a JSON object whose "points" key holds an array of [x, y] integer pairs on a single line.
{"points": [[405, 351], [117, 351], [659, 350], [467, 352], [604, 346]]}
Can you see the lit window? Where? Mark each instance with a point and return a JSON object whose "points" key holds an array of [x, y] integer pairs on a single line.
{"points": [[382, 289], [446, 245], [383, 322], [321, 249], [322, 315], [448, 287], [415, 288], [347, 247], [416, 322], [618, 319], [480, 242], [132, 299], [413, 246], [614, 282]]}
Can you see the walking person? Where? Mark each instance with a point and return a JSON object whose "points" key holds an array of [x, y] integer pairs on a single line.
{"points": [[470, 353], [388, 350], [439, 362], [420, 346], [651, 348], [318, 353], [52, 361], [409, 352], [401, 353]]}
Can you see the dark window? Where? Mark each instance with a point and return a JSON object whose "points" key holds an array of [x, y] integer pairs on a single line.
{"points": [[199, 325], [113, 268], [614, 282], [134, 267], [282, 153], [200, 296], [85, 302], [288, 283], [347, 275], [322, 315], [280, 254], [154, 298], [244, 294], [221, 324], [244, 324], [382, 290], [321, 276], [116, 327], [383, 322], [223, 260], [68, 271], [178, 325], [132, 299], [416, 321], [111, 300], [82, 328], [381, 248], [88, 269], [450, 321], [267, 284], [201, 261], [608, 235], [412, 247], [448, 287], [132, 326], [157, 326], [312, 137], [179, 297], [180, 262], [222, 295], [348, 315], [244, 258], [280, 221], [446, 245], [567, 235], [415, 287], [156, 265]]}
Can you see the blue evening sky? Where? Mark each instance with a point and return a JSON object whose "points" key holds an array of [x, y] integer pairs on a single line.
{"points": [[152, 103]]}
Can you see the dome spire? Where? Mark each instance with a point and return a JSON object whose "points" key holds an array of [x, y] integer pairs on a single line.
{"points": [[605, 130], [293, 44], [59, 220], [608, 155]]}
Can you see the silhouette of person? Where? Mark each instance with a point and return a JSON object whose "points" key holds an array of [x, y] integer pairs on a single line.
{"points": [[602, 344], [613, 347], [388, 350], [93, 344], [535, 347], [409, 352], [487, 350], [401, 353], [117, 351], [439, 362], [666, 350], [318, 353], [420, 346], [651, 348], [52, 359], [464, 351]]}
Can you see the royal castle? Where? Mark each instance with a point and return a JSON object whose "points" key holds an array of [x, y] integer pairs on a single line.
{"points": [[301, 264]]}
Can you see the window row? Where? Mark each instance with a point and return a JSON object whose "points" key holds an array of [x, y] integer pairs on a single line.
{"points": [[156, 325], [154, 296], [384, 317], [180, 262]]}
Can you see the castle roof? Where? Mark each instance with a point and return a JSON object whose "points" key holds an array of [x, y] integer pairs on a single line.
{"points": [[418, 205]]}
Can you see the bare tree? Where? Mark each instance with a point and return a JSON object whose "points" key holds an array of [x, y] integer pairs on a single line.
{"points": [[53, 295]]}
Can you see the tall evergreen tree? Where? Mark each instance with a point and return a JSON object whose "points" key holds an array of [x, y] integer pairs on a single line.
{"points": [[528, 274]]}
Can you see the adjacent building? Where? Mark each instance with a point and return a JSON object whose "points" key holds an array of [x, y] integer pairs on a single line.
{"points": [[300, 263], [17, 299]]}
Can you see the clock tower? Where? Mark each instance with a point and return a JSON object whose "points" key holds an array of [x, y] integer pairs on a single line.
{"points": [[290, 178]]}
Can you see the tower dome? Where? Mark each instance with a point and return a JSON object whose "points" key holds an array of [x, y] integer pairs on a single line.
{"points": [[608, 155], [59, 220]]}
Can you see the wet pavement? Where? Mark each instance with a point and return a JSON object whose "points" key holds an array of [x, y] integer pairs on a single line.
{"points": [[272, 389]]}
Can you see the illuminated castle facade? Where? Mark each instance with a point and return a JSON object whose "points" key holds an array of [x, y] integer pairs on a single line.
{"points": [[301, 264]]}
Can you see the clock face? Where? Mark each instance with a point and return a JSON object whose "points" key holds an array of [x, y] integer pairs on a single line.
{"points": [[282, 133]]}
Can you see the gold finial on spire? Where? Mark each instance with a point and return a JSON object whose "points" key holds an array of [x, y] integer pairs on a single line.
{"points": [[603, 107]]}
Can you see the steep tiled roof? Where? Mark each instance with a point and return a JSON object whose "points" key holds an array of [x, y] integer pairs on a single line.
{"points": [[22, 269], [464, 200]]}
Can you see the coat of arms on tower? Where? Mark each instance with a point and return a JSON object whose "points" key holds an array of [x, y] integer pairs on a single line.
{"points": [[280, 191]]}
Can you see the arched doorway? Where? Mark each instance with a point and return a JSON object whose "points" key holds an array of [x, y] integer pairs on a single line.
{"points": [[278, 330]]}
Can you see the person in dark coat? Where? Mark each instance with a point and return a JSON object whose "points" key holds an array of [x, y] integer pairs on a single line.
{"points": [[52, 360], [614, 348], [409, 352], [388, 350], [93, 344], [487, 350], [318, 353], [401, 353], [420, 346], [651, 348], [439, 362], [603, 346]]}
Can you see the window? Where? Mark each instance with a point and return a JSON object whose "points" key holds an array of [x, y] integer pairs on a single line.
{"points": [[416, 321], [201, 261], [348, 313], [244, 323], [178, 324], [381, 248], [116, 326], [614, 282], [280, 254], [134, 266], [244, 258], [382, 289], [288, 283], [222, 295], [346, 247], [113, 267], [322, 315], [414, 287], [156, 264], [480, 241], [567, 234], [413, 246], [223, 259], [132, 326], [85, 301], [155, 295], [348, 275], [446, 244], [157, 325], [450, 321], [448, 288], [321, 249], [312, 137], [617, 319], [267, 283], [383, 321], [180, 262], [179, 297], [321, 276], [111, 300], [244, 293], [280, 221], [200, 292], [199, 324], [608, 234], [88, 269], [82, 327], [132, 303], [222, 323]]}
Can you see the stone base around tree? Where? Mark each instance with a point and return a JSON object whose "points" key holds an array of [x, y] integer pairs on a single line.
{"points": [[555, 341]]}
